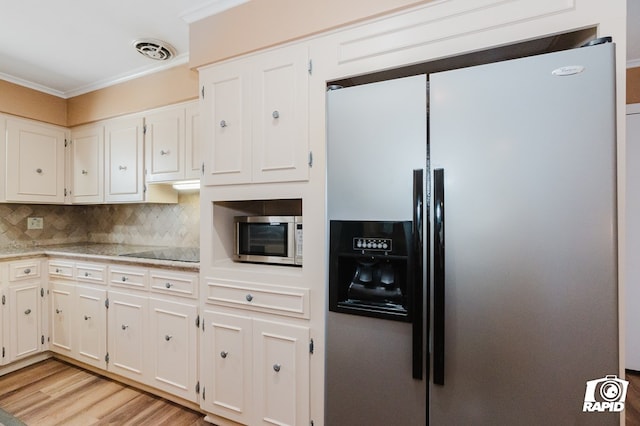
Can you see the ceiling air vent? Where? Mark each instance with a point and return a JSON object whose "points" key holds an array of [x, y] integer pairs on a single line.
{"points": [[155, 49]]}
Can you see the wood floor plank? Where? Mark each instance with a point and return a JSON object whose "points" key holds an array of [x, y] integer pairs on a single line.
{"points": [[53, 392]]}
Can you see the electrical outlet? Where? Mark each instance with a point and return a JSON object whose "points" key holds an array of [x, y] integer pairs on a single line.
{"points": [[35, 223]]}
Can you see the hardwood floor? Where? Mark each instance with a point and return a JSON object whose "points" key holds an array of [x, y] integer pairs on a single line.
{"points": [[632, 403], [53, 392]]}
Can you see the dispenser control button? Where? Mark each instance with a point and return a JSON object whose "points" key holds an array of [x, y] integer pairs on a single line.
{"points": [[362, 243]]}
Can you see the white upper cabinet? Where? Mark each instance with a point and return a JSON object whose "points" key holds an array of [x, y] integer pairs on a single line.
{"points": [[171, 143], [124, 178], [35, 168], [87, 164], [255, 118]]}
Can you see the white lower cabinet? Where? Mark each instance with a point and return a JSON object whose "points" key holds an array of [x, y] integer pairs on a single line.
{"points": [[91, 320], [61, 331], [25, 310], [126, 331], [255, 371], [173, 347]]}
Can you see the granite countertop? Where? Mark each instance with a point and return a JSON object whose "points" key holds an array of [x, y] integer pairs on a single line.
{"points": [[184, 258]]}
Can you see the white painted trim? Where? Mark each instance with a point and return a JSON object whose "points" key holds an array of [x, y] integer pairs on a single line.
{"points": [[208, 9], [633, 63], [633, 109]]}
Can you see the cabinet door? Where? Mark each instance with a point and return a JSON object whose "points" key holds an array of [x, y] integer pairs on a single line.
{"points": [[193, 142], [226, 366], [35, 162], [87, 160], [164, 141], [173, 343], [126, 335], [124, 178], [226, 115], [91, 315], [281, 372], [281, 115], [62, 298], [24, 320]]}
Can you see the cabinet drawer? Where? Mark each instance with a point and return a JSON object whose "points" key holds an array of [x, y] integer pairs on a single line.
{"points": [[181, 284], [291, 301], [128, 277], [24, 270], [60, 269], [91, 273]]}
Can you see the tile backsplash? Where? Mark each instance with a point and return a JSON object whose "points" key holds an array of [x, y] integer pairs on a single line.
{"points": [[141, 224]]}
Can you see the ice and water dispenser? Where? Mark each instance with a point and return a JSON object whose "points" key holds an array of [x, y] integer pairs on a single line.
{"points": [[370, 268]]}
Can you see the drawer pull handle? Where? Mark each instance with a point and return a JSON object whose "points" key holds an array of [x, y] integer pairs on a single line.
{"points": [[249, 297], [27, 312], [163, 152], [84, 172], [168, 337], [27, 271], [276, 368], [223, 123], [124, 326], [58, 311], [124, 279], [87, 318], [224, 354], [168, 285], [122, 167]]}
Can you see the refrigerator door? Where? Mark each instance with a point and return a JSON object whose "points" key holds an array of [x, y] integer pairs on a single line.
{"points": [[527, 149], [376, 138]]}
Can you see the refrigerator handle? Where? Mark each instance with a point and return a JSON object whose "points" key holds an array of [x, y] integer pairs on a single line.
{"points": [[438, 277], [418, 311]]}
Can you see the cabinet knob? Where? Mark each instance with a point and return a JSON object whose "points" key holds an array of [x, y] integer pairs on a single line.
{"points": [[124, 279], [39, 171], [249, 297], [168, 337], [122, 167], [275, 114], [27, 312], [86, 274], [224, 354], [276, 368], [168, 285], [87, 318], [27, 271], [84, 172], [58, 271], [223, 123], [163, 152], [124, 326], [58, 311]]}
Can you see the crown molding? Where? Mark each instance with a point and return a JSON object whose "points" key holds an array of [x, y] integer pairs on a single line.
{"points": [[208, 9]]}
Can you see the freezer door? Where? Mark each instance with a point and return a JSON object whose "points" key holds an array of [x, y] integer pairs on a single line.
{"points": [[527, 149]]}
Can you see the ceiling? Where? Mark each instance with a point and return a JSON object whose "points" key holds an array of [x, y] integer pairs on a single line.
{"points": [[70, 47]]}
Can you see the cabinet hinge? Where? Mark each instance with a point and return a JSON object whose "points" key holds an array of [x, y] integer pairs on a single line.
{"points": [[106, 358], [106, 303], [311, 422], [202, 92], [42, 339], [4, 299], [3, 352], [310, 158], [198, 321], [310, 69], [311, 346], [66, 192], [41, 292], [203, 392], [198, 387], [203, 168], [144, 188], [66, 143], [144, 129]]}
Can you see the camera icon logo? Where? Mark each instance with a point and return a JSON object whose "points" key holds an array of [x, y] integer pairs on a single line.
{"points": [[605, 395]]}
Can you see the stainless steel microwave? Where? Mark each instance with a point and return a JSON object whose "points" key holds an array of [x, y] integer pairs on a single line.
{"points": [[268, 239]]}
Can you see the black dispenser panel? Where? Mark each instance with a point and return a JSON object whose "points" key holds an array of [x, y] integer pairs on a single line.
{"points": [[370, 268]]}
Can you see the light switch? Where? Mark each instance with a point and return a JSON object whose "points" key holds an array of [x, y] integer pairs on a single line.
{"points": [[35, 223]]}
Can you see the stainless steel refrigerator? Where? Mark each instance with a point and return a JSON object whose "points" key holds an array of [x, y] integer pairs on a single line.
{"points": [[507, 295]]}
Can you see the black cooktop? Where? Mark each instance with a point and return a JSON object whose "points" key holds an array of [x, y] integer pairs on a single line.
{"points": [[180, 254]]}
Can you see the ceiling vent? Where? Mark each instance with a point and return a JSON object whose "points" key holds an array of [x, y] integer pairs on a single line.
{"points": [[155, 49]]}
